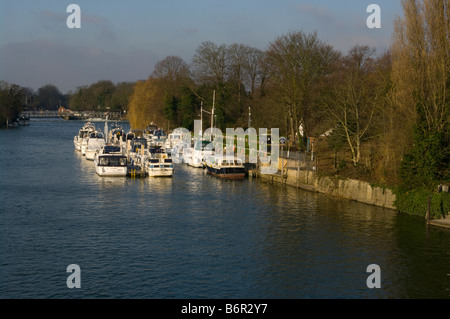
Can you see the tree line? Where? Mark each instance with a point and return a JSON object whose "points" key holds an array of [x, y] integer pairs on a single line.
{"points": [[100, 96], [385, 114]]}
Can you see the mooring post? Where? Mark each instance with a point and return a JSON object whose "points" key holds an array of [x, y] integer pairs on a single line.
{"points": [[427, 216]]}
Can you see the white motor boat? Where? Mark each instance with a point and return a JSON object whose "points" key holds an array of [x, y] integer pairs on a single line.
{"points": [[158, 163], [117, 136], [174, 139], [138, 147], [148, 132], [109, 161], [199, 152], [159, 137], [94, 143], [181, 152], [83, 134]]}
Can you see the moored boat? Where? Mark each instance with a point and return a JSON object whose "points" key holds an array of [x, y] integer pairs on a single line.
{"points": [[83, 134], [197, 154], [109, 161], [158, 163], [226, 167], [94, 143]]}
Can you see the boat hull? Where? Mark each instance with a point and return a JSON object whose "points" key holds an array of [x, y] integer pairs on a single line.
{"points": [[76, 143], [111, 171], [235, 174], [90, 154], [160, 172]]}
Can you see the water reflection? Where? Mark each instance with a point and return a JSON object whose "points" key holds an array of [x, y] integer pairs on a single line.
{"points": [[194, 235]]}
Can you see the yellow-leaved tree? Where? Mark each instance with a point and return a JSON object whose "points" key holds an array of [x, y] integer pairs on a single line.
{"points": [[146, 104]]}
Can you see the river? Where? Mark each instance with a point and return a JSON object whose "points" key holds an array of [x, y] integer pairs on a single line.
{"points": [[193, 235]]}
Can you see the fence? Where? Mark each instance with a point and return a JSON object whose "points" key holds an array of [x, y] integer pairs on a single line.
{"points": [[306, 161]]}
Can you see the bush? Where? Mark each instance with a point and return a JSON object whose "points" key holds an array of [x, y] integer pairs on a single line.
{"points": [[415, 202]]}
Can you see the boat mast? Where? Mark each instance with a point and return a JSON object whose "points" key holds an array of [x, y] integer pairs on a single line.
{"points": [[106, 129], [212, 113]]}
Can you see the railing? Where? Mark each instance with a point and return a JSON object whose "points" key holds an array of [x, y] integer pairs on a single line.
{"points": [[39, 114], [72, 115], [305, 161]]}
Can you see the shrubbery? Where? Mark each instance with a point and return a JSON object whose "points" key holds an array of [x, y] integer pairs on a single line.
{"points": [[415, 202]]}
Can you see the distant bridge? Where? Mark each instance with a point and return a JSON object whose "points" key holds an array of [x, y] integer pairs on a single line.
{"points": [[72, 115], [39, 114]]}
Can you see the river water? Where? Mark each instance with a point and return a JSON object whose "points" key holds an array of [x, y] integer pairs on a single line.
{"points": [[193, 235]]}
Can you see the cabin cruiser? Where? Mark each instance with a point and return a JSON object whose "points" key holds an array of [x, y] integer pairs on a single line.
{"points": [[117, 136], [136, 150], [181, 152], [95, 142], [149, 131], [175, 138], [226, 167], [159, 137], [197, 154], [83, 134], [158, 163], [109, 161], [97, 134]]}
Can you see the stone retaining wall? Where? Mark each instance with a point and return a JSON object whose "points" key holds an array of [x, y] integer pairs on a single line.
{"points": [[290, 174]]}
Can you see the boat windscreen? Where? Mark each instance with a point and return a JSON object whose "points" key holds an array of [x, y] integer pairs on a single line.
{"points": [[200, 146], [113, 161]]}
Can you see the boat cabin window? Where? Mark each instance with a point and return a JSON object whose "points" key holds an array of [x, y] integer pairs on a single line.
{"points": [[156, 150], [159, 133], [200, 146], [111, 149], [231, 162], [84, 134], [232, 170], [113, 161]]}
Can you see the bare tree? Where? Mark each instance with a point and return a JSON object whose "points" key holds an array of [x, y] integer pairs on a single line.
{"points": [[172, 68], [354, 98], [210, 63], [253, 68], [237, 57], [298, 61]]}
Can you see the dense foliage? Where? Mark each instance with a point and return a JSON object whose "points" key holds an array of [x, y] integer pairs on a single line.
{"points": [[11, 103], [415, 202]]}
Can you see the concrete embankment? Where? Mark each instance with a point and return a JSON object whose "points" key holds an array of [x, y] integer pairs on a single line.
{"points": [[295, 173], [292, 172]]}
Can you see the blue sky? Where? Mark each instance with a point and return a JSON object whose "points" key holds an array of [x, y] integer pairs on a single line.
{"points": [[122, 40]]}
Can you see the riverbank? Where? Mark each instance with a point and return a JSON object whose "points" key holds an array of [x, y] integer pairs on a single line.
{"points": [[291, 172]]}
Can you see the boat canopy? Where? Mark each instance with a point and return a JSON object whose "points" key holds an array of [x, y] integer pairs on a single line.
{"points": [[111, 149], [96, 135], [139, 141]]}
